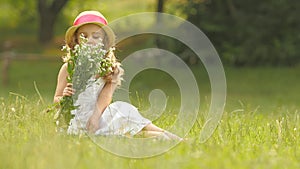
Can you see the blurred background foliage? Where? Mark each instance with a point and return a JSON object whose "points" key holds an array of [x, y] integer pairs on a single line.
{"points": [[245, 33], [248, 32]]}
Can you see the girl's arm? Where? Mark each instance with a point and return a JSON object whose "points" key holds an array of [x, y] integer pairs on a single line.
{"points": [[104, 99], [63, 88]]}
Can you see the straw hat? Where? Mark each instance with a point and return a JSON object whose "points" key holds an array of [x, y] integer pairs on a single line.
{"points": [[87, 17]]}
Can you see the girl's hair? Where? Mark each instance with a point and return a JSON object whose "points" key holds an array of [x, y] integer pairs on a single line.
{"points": [[108, 78]]}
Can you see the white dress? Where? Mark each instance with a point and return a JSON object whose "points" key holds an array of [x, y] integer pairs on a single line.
{"points": [[119, 118]]}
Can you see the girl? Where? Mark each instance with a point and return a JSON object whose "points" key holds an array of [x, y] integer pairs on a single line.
{"points": [[95, 114]]}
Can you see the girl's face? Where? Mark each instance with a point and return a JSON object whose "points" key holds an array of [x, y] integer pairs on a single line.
{"points": [[92, 32]]}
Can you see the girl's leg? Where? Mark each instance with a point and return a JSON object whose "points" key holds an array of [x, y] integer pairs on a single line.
{"points": [[153, 130], [147, 134], [152, 127]]}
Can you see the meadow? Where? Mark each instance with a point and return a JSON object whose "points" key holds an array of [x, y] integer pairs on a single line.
{"points": [[259, 128]]}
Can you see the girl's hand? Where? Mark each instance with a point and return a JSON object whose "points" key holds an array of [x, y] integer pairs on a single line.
{"points": [[68, 90], [93, 124], [115, 76]]}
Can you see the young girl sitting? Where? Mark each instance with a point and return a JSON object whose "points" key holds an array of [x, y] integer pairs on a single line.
{"points": [[96, 114]]}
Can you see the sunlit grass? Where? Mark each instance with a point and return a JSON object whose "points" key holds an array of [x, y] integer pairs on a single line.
{"points": [[259, 128], [244, 139]]}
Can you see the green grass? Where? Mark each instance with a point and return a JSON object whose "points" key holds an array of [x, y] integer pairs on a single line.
{"points": [[259, 129], [243, 139], [269, 89], [24, 73]]}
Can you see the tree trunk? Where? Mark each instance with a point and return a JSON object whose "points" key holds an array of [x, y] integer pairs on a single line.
{"points": [[48, 13], [160, 5], [46, 29], [160, 8], [232, 9]]}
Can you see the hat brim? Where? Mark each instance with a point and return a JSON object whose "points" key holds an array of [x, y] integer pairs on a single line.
{"points": [[71, 31]]}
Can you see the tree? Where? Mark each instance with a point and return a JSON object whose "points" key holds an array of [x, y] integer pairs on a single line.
{"points": [[48, 11], [160, 5], [248, 32], [160, 9]]}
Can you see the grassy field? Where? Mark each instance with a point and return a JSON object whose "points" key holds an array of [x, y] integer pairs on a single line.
{"points": [[259, 129]]}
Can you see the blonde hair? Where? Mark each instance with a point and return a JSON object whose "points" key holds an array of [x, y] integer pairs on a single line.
{"points": [[117, 65]]}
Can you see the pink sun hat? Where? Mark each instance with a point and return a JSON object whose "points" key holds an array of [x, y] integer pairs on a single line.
{"points": [[88, 17]]}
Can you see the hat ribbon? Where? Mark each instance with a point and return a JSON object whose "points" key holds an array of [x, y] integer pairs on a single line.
{"points": [[89, 18]]}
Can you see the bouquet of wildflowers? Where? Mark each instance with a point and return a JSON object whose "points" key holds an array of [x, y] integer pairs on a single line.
{"points": [[84, 62]]}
